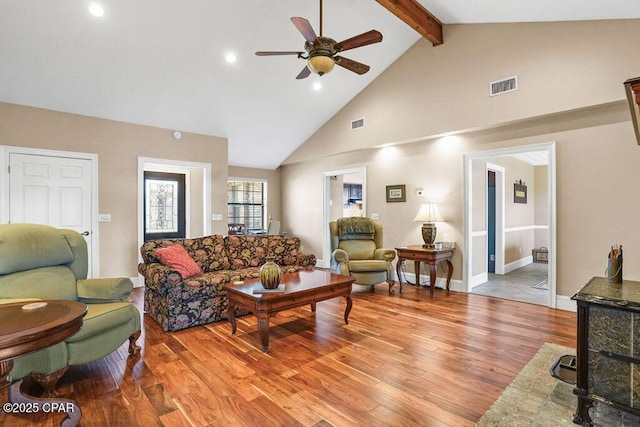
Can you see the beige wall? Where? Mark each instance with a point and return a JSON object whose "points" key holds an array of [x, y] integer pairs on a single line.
{"points": [[434, 90], [570, 92], [118, 146]]}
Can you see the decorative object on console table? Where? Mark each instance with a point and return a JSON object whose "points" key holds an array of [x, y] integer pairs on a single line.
{"points": [[428, 214], [519, 192], [396, 193], [270, 274], [632, 87], [614, 264]]}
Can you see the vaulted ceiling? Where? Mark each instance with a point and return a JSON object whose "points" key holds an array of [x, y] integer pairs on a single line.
{"points": [[162, 62]]}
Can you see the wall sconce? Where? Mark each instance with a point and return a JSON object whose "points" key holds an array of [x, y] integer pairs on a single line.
{"points": [[429, 215], [632, 87]]}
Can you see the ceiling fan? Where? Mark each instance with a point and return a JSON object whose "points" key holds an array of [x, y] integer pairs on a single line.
{"points": [[321, 52]]}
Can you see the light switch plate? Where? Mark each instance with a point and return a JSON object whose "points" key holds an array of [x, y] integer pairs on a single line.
{"points": [[375, 216], [104, 217], [216, 217]]}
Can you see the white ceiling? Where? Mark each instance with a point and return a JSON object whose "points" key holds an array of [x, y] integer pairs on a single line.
{"points": [[161, 62]]}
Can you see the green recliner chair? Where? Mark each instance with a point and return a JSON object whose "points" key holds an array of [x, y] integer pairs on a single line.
{"points": [[356, 246], [43, 262]]}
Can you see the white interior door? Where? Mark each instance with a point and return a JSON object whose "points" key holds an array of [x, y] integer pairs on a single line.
{"points": [[52, 190]]}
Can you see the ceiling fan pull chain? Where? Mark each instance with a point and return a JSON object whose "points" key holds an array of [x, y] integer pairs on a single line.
{"points": [[320, 18]]}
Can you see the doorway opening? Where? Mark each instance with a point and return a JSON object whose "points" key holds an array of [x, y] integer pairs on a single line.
{"points": [[197, 194], [497, 224], [335, 205]]}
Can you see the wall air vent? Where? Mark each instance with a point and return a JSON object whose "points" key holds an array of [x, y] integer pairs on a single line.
{"points": [[503, 86], [357, 124]]}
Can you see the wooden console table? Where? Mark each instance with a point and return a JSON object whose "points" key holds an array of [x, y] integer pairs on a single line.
{"points": [[608, 354], [25, 331], [430, 256]]}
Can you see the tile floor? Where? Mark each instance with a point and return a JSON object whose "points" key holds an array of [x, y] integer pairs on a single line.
{"points": [[517, 285]]}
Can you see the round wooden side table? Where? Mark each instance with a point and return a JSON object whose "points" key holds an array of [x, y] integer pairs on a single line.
{"points": [[26, 327]]}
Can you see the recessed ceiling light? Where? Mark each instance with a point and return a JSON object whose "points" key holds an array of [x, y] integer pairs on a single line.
{"points": [[317, 86], [96, 10], [231, 57]]}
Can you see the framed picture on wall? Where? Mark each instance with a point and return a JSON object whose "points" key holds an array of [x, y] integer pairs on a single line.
{"points": [[519, 192], [396, 193]]}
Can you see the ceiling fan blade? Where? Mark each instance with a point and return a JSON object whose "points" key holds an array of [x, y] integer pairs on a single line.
{"points": [[304, 73], [278, 53], [360, 40], [305, 28], [351, 65]]}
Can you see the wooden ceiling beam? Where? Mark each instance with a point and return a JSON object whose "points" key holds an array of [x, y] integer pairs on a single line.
{"points": [[417, 17]]}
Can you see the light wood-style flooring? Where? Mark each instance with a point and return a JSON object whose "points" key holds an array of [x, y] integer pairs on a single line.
{"points": [[403, 360]]}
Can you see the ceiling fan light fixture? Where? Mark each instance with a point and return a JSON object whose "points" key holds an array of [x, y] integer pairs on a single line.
{"points": [[321, 64]]}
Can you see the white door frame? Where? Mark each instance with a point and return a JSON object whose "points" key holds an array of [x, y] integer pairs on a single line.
{"points": [[174, 166], [326, 206], [6, 151], [467, 266]]}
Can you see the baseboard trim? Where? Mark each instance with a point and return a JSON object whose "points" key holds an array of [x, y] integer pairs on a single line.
{"points": [[518, 264], [479, 279], [564, 302], [138, 281]]}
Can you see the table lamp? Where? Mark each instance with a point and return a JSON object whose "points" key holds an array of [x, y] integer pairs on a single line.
{"points": [[428, 214]]}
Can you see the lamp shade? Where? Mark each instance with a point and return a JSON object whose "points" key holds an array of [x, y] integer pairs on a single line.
{"points": [[428, 212], [321, 64]]}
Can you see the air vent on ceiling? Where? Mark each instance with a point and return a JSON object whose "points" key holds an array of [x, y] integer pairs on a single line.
{"points": [[357, 124], [503, 86]]}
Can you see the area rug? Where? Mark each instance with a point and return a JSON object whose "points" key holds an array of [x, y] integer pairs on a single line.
{"points": [[542, 285], [535, 398]]}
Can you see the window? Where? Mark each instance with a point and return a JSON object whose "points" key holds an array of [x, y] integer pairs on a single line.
{"points": [[164, 205], [246, 203]]}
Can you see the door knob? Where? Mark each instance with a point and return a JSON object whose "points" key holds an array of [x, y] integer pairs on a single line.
{"points": [[86, 233]]}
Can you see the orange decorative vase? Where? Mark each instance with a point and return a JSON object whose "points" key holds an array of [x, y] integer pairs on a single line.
{"points": [[270, 274]]}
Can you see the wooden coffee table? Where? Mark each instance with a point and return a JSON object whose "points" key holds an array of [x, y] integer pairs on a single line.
{"points": [[305, 287]]}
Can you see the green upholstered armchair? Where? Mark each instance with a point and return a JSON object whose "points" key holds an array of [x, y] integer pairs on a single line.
{"points": [[42, 262], [356, 245]]}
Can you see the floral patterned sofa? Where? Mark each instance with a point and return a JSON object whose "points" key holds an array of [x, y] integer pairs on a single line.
{"points": [[178, 303]]}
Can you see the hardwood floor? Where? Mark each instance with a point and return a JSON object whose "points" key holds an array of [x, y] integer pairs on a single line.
{"points": [[402, 360]]}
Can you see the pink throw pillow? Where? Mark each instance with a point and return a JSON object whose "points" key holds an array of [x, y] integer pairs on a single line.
{"points": [[177, 257]]}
